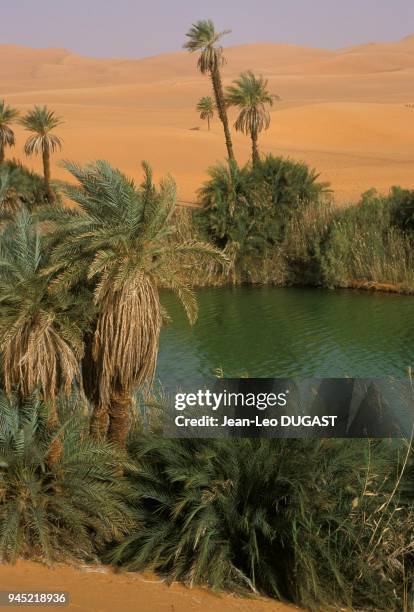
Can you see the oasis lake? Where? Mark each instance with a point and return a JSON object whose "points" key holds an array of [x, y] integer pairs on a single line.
{"points": [[287, 332]]}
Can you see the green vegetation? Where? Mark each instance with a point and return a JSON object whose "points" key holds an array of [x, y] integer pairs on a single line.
{"points": [[294, 519], [20, 187], [318, 523], [249, 94], [358, 246], [205, 108], [247, 210], [68, 511], [402, 211], [79, 288], [278, 224], [40, 330]]}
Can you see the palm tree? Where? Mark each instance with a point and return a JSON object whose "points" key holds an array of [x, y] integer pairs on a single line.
{"points": [[41, 121], [68, 510], [205, 107], [250, 95], [40, 331], [121, 236], [7, 115], [203, 37]]}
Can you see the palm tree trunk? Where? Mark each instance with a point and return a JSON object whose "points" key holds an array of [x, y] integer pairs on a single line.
{"points": [[208, 123], [56, 447], [46, 172], [119, 417], [255, 149], [98, 427], [1, 153], [222, 111]]}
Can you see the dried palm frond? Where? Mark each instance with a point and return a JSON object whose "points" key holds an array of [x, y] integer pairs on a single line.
{"points": [[40, 331], [126, 336], [35, 356], [121, 237]]}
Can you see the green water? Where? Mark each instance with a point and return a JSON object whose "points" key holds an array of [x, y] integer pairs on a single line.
{"points": [[288, 332]]}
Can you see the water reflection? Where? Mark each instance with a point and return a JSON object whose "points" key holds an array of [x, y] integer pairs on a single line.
{"points": [[288, 332]]}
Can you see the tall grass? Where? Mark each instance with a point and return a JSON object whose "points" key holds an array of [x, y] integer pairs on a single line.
{"points": [[364, 245], [354, 247]]}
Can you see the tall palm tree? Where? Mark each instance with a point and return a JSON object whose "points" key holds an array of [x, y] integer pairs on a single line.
{"points": [[7, 116], [121, 237], [40, 331], [205, 107], [203, 37], [249, 93], [41, 121]]}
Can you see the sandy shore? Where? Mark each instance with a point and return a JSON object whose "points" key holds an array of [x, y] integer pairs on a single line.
{"points": [[101, 590], [349, 112]]}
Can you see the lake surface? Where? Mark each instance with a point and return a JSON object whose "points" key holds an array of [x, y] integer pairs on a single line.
{"points": [[288, 332]]}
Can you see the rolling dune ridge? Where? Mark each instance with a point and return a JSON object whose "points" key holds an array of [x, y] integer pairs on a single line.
{"points": [[345, 112]]}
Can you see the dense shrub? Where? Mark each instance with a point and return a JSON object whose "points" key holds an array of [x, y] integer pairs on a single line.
{"points": [[68, 511], [402, 208], [294, 519], [358, 245], [363, 245], [250, 206], [20, 187], [278, 226]]}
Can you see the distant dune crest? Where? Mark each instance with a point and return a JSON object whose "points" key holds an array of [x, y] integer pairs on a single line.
{"points": [[347, 112], [26, 68]]}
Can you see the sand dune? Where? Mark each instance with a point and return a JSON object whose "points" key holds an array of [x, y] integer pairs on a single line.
{"points": [[100, 590], [346, 112]]}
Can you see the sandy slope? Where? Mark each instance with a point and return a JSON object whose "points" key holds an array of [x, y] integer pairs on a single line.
{"points": [[345, 112], [107, 592]]}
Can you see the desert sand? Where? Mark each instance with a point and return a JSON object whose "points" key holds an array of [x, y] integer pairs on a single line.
{"points": [[100, 590], [349, 113]]}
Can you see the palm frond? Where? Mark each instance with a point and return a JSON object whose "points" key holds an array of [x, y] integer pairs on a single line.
{"points": [[120, 239], [203, 37], [41, 121], [249, 93], [66, 512]]}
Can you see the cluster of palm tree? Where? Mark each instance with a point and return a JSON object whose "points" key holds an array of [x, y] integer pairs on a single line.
{"points": [[79, 297], [40, 122], [249, 93]]}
